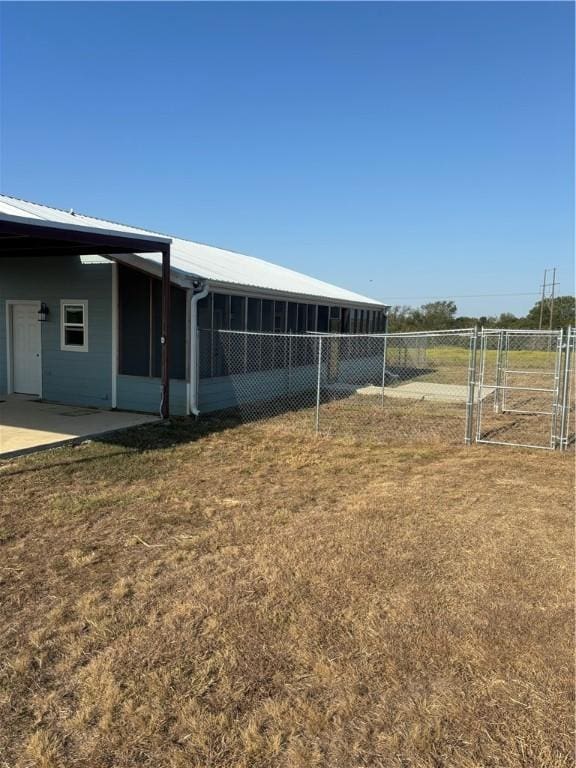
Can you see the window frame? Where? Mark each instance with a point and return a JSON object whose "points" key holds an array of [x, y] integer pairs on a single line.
{"points": [[64, 347]]}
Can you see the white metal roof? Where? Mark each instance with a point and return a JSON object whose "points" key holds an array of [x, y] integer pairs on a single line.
{"points": [[220, 267]]}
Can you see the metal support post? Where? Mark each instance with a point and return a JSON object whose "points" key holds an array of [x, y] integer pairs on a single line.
{"points": [[289, 363], [384, 367], [498, 377], [554, 438], [483, 337], [471, 386], [504, 388], [318, 384], [565, 412]]}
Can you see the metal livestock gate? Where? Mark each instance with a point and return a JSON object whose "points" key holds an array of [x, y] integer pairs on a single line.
{"points": [[524, 388]]}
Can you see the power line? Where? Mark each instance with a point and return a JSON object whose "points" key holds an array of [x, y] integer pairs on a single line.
{"points": [[467, 295]]}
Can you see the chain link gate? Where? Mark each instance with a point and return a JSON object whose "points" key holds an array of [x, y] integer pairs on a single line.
{"points": [[520, 388]]}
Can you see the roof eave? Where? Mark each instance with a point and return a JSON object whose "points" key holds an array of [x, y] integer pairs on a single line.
{"points": [[98, 238], [187, 280]]}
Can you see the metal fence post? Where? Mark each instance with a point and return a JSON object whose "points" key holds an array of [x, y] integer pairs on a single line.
{"points": [[471, 386], [504, 389], [318, 384], [384, 367], [480, 397], [565, 385], [556, 390], [289, 364], [497, 390]]}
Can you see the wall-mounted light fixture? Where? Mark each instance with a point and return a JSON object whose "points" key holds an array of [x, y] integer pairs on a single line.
{"points": [[43, 313]]}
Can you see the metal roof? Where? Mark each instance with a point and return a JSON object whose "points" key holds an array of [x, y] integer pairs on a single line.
{"points": [[221, 268]]}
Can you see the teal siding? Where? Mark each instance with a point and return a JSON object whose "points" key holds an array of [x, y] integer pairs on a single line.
{"points": [[77, 378], [232, 391], [140, 393], [361, 370], [3, 344]]}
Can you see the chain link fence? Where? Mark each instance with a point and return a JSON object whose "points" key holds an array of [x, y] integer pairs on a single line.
{"points": [[445, 386], [400, 387], [260, 375]]}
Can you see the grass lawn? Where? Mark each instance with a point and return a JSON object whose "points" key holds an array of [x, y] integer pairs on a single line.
{"points": [[241, 597]]}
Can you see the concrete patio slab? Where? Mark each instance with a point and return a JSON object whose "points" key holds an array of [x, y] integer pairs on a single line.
{"points": [[28, 424], [424, 390]]}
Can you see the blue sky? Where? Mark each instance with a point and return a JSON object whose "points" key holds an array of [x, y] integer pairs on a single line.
{"points": [[398, 149]]}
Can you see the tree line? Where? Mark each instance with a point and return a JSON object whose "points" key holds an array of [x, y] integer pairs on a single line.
{"points": [[441, 315]]}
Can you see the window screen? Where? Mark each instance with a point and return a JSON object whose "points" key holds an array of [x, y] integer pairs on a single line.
{"points": [[311, 317], [134, 322], [140, 325], [302, 318], [254, 313], [279, 316], [322, 319], [292, 325], [221, 316], [204, 312], [237, 313], [345, 320], [177, 331], [266, 346]]}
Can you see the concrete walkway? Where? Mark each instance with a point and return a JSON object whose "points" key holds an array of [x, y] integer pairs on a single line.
{"points": [[26, 424]]}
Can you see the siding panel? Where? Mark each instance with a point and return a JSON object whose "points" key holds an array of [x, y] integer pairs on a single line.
{"points": [[232, 391], [140, 393], [78, 378]]}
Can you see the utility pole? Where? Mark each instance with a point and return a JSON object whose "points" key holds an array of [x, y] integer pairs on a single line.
{"points": [[554, 284], [542, 300], [552, 287]]}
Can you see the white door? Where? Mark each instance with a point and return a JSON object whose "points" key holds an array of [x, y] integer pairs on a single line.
{"points": [[26, 373]]}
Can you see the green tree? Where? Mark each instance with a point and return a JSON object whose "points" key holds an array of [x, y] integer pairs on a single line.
{"points": [[564, 313], [438, 315], [508, 320]]}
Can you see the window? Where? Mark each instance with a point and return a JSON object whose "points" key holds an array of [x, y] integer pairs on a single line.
{"points": [[301, 323], [311, 317], [237, 313], [334, 319], [140, 325], [279, 316], [74, 325], [267, 315], [322, 319], [267, 344], [345, 320], [292, 325], [253, 343], [254, 314], [221, 311], [205, 312]]}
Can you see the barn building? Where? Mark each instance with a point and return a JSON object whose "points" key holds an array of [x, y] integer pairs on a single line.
{"points": [[89, 308]]}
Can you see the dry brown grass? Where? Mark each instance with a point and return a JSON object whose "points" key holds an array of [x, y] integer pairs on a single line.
{"points": [[252, 598]]}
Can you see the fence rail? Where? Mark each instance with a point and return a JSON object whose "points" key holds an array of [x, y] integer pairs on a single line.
{"points": [[508, 387]]}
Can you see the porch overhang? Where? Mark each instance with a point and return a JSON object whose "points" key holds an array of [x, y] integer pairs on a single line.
{"points": [[29, 236]]}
